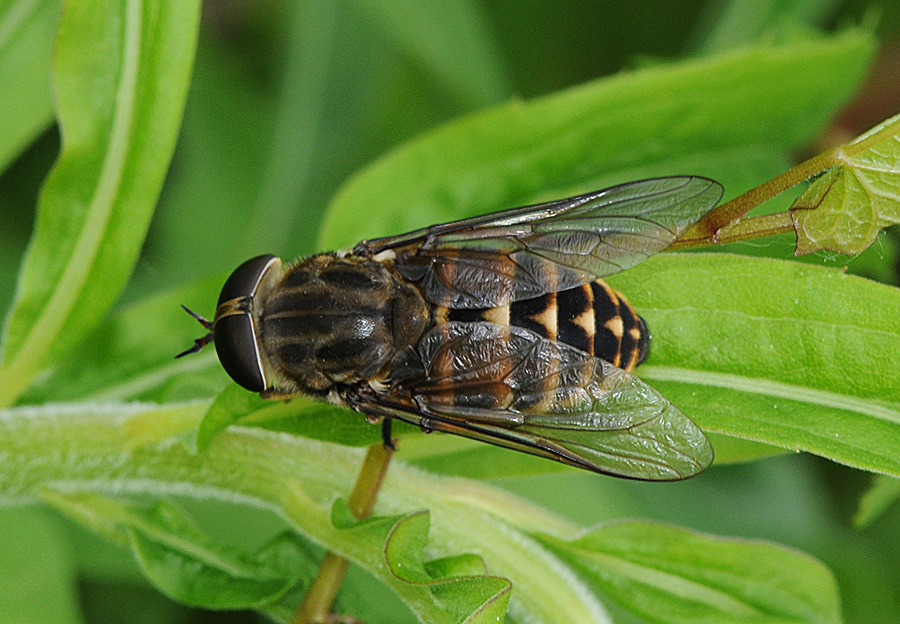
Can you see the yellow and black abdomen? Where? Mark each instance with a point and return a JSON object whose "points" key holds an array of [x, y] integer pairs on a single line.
{"points": [[593, 318]]}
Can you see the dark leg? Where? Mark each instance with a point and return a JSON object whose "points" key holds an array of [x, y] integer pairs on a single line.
{"points": [[386, 434]]}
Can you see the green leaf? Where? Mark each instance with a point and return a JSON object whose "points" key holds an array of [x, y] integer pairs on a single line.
{"points": [[40, 579], [26, 42], [105, 450], [440, 599], [131, 355], [458, 565], [464, 58], [182, 562], [726, 25], [120, 78], [793, 355], [217, 580], [882, 493], [844, 209], [232, 404], [671, 575], [695, 117], [304, 416], [133, 449]]}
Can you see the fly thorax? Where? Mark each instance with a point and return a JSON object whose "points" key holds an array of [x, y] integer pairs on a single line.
{"points": [[333, 321]]}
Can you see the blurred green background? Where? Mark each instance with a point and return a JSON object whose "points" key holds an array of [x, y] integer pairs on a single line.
{"points": [[290, 98]]}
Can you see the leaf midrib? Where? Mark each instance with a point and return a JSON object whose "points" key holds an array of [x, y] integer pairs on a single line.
{"points": [[774, 389]]}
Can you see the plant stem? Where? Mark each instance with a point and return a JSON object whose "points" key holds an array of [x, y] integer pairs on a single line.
{"points": [[316, 604], [723, 224], [754, 227]]}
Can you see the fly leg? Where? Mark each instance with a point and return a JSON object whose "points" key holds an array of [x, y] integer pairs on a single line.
{"points": [[386, 438]]}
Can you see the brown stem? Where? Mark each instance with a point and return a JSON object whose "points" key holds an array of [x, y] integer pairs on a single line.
{"points": [[714, 227], [317, 603], [754, 227]]}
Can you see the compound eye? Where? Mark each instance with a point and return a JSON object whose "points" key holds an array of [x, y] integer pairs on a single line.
{"points": [[245, 279], [238, 351], [234, 331]]}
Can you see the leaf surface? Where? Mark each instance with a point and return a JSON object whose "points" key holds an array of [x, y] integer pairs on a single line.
{"points": [[667, 574], [699, 117], [118, 135], [844, 209], [26, 42]]}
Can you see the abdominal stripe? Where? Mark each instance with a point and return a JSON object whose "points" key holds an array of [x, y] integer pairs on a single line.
{"points": [[593, 318]]}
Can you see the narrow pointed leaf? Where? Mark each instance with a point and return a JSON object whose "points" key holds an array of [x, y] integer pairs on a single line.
{"points": [[120, 78], [672, 575], [301, 415], [182, 562], [26, 41], [883, 492], [690, 113]]}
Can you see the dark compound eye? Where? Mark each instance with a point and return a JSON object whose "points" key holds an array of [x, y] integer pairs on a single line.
{"points": [[236, 346], [245, 279], [234, 330]]}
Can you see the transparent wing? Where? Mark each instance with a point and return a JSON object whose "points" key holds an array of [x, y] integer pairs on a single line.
{"points": [[526, 252], [509, 387]]}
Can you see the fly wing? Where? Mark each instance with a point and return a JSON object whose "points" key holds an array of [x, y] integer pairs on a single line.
{"points": [[526, 252], [510, 387]]}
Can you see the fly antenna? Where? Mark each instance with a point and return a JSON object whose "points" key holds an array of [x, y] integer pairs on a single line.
{"points": [[199, 343]]}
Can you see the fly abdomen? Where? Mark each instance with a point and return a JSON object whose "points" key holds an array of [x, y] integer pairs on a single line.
{"points": [[635, 344], [576, 318], [593, 318], [621, 335]]}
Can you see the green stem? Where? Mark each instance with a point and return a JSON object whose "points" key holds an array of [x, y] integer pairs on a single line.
{"points": [[723, 224], [317, 603], [754, 227]]}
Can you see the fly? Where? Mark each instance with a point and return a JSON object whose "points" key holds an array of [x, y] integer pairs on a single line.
{"points": [[497, 328]]}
